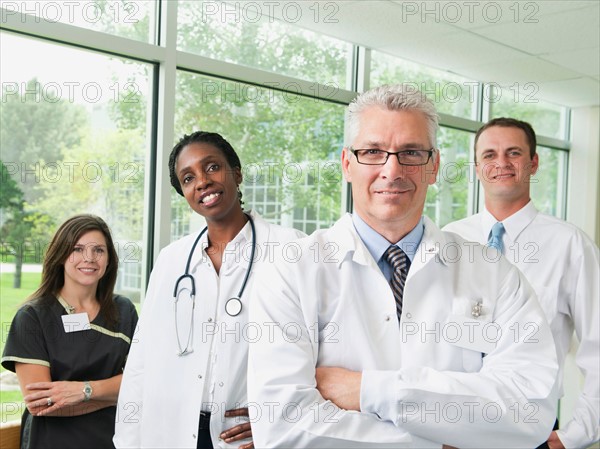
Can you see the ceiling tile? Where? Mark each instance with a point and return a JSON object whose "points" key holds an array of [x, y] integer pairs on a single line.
{"points": [[453, 51], [574, 93], [473, 15], [522, 70], [585, 61], [564, 31]]}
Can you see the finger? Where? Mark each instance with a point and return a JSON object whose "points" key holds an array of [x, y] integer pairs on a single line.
{"points": [[239, 436], [247, 445], [48, 410], [36, 396], [236, 412], [235, 430]]}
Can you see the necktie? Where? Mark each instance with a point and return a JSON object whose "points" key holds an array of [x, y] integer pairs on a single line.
{"points": [[495, 240], [400, 263]]}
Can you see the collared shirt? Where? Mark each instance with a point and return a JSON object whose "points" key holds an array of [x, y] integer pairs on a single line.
{"points": [[341, 313], [378, 244], [561, 263], [212, 376], [513, 225]]}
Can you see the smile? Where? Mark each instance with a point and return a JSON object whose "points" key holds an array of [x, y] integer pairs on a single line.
{"points": [[504, 176], [210, 198]]}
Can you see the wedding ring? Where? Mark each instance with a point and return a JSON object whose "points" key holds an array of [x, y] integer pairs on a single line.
{"points": [[49, 402]]}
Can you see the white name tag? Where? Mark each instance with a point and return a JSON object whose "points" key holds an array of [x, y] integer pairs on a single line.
{"points": [[76, 322], [471, 333]]}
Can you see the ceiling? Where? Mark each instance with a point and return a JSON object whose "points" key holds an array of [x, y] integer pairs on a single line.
{"points": [[553, 44]]}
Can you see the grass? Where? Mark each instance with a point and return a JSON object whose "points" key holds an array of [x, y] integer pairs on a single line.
{"points": [[10, 301], [12, 406]]}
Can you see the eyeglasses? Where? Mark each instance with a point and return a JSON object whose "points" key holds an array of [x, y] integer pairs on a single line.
{"points": [[380, 157]]}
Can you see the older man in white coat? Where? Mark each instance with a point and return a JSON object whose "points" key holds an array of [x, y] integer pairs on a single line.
{"points": [[377, 333]]}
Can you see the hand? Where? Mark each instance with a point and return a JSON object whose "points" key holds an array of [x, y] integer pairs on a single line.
{"points": [[554, 442], [340, 386], [238, 432], [62, 393]]}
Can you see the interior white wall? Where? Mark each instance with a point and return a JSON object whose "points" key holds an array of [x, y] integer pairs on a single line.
{"points": [[583, 211], [584, 171]]}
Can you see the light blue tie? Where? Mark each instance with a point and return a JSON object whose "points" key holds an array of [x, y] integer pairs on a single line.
{"points": [[495, 240]]}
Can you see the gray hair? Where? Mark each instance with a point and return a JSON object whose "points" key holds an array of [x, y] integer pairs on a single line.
{"points": [[397, 97]]}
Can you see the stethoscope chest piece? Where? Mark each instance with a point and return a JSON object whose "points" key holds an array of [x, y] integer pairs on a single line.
{"points": [[233, 306]]}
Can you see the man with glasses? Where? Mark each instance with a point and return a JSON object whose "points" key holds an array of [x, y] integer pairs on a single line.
{"points": [[373, 333], [558, 259]]}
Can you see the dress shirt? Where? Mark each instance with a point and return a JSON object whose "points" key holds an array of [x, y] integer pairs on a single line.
{"points": [[421, 386], [163, 393], [378, 244], [561, 263]]}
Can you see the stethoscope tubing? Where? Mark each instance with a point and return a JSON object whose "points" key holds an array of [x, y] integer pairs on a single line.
{"points": [[233, 306]]}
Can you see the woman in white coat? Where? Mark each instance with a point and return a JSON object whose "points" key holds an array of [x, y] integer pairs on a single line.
{"points": [[185, 381]]}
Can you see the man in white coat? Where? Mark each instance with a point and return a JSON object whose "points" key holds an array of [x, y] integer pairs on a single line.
{"points": [[356, 352], [558, 259]]}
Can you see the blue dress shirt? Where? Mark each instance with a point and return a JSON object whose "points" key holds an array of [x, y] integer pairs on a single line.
{"points": [[377, 244]]}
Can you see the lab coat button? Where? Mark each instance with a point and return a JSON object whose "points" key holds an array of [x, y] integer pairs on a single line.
{"points": [[409, 316], [387, 318], [199, 376], [210, 320], [220, 384], [194, 435]]}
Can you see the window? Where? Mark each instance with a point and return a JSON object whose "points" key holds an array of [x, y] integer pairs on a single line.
{"points": [[547, 186], [263, 35], [289, 146], [451, 94], [132, 19], [77, 143], [449, 199], [521, 102]]}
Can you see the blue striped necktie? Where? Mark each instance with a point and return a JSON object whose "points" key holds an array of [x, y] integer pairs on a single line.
{"points": [[400, 263], [495, 240]]}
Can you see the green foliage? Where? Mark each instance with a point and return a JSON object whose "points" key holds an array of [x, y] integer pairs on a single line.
{"points": [[11, 196], [39, 127], [269, 45]]}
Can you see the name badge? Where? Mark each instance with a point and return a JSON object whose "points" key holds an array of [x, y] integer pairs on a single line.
{"points": [[472, 333], [76, 322]]}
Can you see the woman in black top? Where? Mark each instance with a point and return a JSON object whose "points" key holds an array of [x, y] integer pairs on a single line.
{"points": [[68, 344]]}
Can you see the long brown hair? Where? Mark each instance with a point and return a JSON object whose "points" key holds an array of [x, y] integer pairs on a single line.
{"points": [[61, 247]]}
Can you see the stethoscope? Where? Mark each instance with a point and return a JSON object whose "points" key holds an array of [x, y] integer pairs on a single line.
{"points": [[233, 306]]}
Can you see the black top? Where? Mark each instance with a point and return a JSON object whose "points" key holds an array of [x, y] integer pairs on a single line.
{"points": [[37, 336]]}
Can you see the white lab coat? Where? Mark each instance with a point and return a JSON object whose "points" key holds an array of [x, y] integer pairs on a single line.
{"points": [[561, 263], [161, 393], [331, 306]]}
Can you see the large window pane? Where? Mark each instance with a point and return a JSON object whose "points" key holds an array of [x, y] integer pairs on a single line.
{"points": [[125, 18], [521, 102], [289, 147], [450, 93], [547, 186], [449, 198], [73, 141], [244, 33]]}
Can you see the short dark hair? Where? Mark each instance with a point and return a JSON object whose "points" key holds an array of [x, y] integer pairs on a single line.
{"points": [[201, 137], [506, 122]]}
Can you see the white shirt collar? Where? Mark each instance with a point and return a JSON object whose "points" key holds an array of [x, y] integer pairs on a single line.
{"points": [[514, 224]]}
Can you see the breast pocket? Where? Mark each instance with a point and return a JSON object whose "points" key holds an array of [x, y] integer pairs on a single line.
{"points": [[472, 360]]}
